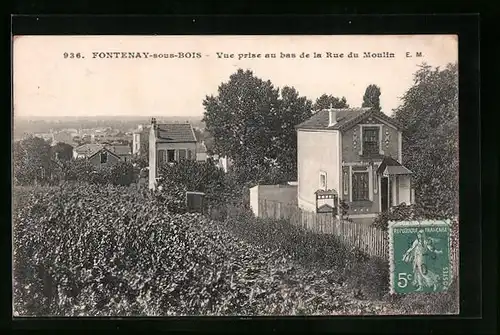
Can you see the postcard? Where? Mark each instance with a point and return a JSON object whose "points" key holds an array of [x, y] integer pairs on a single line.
{"points": [[270, 175]]}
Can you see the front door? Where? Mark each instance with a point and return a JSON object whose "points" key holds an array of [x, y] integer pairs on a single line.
{"points": [[384, 193]]}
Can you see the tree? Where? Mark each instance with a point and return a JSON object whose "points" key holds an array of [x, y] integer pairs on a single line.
{"points": [[209, 142], [429, 114], [254, 126], [62, 151], [122, 173], [293, 110], [189, 175], [31, 158], [329, 101], [77, 170], [237, 116], [371, 98], [199, 134]]}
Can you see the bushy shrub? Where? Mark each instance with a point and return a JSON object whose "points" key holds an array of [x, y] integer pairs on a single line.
{"points": [[122, 173], [81, 170], [309, 249], [172, 197], [431, 303], [77, 170], [141, 161], [188, 175], [368, 277], [93, 250], [405, 212]]}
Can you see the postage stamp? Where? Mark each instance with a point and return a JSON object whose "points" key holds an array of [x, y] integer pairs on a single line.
{"points": [[420, 256]]}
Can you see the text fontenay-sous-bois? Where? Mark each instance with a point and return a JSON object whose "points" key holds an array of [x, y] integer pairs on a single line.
{"points": [[237, 56]]}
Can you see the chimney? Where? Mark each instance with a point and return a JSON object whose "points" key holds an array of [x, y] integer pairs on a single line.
{"points": [[332, 116]]}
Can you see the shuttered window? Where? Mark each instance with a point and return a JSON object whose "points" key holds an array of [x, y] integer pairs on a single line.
{"points": [[182, 154], [161, 157]]}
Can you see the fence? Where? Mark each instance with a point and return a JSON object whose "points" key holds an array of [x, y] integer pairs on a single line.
{"points": [[372, 241]]}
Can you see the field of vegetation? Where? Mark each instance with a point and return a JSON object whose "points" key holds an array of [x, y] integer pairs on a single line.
{"points": [[89, 250]]}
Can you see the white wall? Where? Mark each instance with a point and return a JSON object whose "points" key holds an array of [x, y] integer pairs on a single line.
{"points": [[285, 194], [152, 159], [201, 156], [254, 200], [404, 190], [316, 151]]}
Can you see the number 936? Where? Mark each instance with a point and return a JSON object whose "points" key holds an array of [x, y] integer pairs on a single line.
{"points": [[72, 55]]}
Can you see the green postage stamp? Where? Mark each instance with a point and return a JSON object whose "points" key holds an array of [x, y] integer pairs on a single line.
{"points": [[419, 256]]}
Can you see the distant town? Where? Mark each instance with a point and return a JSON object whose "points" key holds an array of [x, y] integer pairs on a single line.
{"points": [[84, 127]]}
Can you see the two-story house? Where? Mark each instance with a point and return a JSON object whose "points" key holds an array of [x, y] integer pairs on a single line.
{"points": [[355, 155], [169, 142]]}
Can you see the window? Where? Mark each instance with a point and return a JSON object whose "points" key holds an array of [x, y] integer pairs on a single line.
{"points": [[104, 157], [170, 155], [161, 157], [189, 154], [360, 187], [182, 154], [371, 140], [322, 181]]}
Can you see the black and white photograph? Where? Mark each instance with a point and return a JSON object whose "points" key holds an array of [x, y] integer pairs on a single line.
{"points": [[157, 176]]}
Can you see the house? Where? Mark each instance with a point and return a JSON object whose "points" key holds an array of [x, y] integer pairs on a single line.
{"points": [[354, 155], [168, 143], [201, 152], [86, 150], [122, 151], [99, 154], [139, 137]]}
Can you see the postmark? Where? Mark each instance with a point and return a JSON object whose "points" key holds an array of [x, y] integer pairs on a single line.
{"points": [[419, 256]]}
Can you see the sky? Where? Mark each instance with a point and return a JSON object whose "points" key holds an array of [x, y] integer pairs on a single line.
{"points": [[47, 84]]}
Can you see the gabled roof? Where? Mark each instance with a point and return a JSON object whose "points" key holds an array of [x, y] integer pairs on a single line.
{"points": [[120, 150], [88, 149], [175, 133], [393, 167], [104, 149], [325, 209], [346, 117]]}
